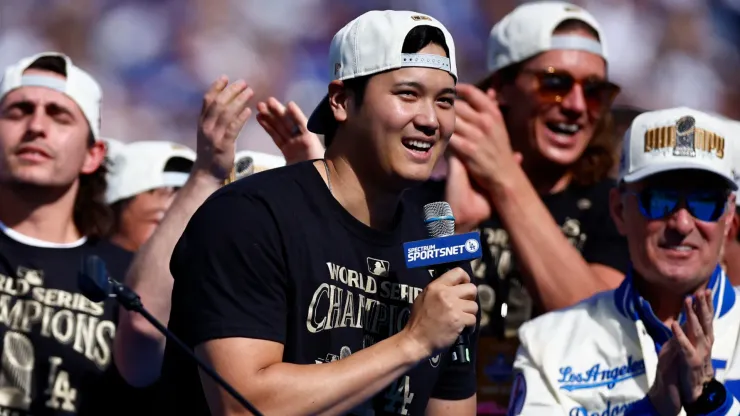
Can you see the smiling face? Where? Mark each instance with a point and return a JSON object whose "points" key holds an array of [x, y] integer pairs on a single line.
{"points": [[678, 251], [556, 101], [44, 137], [404, 121]]}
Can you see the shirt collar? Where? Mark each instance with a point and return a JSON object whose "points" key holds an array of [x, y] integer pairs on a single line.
{"points": [[633, 306]]}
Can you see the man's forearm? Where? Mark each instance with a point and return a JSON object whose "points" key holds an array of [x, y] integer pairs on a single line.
{"points": [[138, 345], [327, 389], [554, 271]]}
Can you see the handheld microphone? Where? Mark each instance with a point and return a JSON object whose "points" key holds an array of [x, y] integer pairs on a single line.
{"points": [[95, 284], [442, 252]]}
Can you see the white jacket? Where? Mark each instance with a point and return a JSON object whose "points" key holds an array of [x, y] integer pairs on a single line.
{"points": [[600, 356]]}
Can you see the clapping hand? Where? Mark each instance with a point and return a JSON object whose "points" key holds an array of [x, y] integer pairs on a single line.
{"points": [[288, 128], [695, 342], [685, 361], [223, 115]]}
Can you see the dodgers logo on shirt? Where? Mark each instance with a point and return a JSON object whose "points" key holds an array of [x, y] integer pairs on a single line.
{"points": [[450, 249], [597, 376], [518, 395]]}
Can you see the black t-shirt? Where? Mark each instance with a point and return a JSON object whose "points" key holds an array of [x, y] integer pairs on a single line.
{"points": [[274, 256], [56, 351], [583, 215]]}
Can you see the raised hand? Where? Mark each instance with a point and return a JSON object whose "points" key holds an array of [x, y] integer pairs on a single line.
{"points": [[665, 392], [288, 128], [481, 140], [695, 342], [468, 204], [223, 115]]}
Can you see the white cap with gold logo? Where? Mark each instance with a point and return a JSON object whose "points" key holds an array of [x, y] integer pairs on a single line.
{"points": [[676, 139]]}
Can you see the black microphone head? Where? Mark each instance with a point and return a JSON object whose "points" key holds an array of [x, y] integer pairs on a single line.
{"points": [[438, 219], [92, 279]]}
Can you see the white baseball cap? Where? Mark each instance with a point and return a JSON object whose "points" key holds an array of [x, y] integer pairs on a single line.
{"points": [[80, 86], [675, 139], [248, 162], [113, 147], [372, 43], [528, 31], [140, 166]]}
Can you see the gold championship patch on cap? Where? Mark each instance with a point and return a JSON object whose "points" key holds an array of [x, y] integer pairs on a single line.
{"points": [[684, 138]]}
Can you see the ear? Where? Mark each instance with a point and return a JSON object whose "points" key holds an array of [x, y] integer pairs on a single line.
{"points": [[94, 158], [339, 101], [731, 231], [732, 222], [503, 92], [616, 209]]}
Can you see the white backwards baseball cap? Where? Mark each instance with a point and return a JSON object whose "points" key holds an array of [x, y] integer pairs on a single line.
{"points": [[113, 147], [372, 43], [676, 139], [140, 166], [528, 31], [248, 162], [80, 86]]}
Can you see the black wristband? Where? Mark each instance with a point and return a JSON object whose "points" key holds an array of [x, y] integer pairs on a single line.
{"points": [[712, 397]]}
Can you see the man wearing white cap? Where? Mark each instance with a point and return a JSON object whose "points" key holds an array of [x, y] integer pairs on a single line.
{"points": [[665, 342], [143, 179], [292, 283], [56, 344]]}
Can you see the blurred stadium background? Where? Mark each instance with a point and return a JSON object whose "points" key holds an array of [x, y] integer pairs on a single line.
{"points": [[154, 58]]}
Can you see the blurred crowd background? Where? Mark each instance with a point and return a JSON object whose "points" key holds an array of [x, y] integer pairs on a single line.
{"points": [[155, 58]]}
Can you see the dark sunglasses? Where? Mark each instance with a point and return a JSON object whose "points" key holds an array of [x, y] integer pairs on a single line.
{"points": [[554, 85], [705, 206]]}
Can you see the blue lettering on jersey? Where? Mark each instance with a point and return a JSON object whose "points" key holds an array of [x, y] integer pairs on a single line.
{"points": [[596, 376], [610, 410], [442, 250]]}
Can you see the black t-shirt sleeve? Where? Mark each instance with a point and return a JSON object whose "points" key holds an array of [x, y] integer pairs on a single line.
{"points": [[458, 381], [230, 273], [604, 244]]}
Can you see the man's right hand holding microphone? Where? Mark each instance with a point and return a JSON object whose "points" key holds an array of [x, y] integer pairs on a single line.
{"points": [[441, 312]]}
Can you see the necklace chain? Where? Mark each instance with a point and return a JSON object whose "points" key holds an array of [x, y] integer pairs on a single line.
{"points": [[328, 177]]}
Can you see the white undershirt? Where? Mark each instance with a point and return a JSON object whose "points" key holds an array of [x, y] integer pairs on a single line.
{"points": [[35, 242]]}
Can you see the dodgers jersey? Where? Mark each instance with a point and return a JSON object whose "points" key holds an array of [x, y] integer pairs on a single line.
{"points": [[600, 357]]}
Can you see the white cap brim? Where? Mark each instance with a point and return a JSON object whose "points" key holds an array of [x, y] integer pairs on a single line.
{"points": [[657, 168]]}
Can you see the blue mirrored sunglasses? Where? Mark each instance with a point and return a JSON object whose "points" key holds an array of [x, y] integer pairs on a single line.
{"points": [[706, 206]]}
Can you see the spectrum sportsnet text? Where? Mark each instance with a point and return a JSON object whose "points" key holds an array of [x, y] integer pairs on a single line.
{"points": [[454, 248]]}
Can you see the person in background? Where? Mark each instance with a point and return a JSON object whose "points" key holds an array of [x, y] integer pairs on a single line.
{"points": [[143, 180], [138, 345], [666, 340], [529, 167], [56, 346]]}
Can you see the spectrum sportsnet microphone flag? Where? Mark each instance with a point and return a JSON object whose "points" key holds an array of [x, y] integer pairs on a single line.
{"points": [[442, 250]]}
